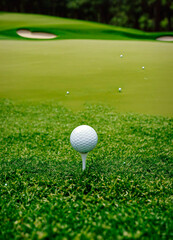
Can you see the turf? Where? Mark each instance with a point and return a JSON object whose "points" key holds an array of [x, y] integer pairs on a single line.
{"points": [[125, 192], [68, 28], [92, 71], [85, 64]]}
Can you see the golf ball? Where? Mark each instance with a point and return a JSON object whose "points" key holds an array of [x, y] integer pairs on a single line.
{"points": [[67, 92], [121, 56], [83, 138], [143, 67], [119, 89]]}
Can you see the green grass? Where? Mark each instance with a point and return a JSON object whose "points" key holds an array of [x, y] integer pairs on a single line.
{"points": [[68, 28], [125, 192], [91, 69]]}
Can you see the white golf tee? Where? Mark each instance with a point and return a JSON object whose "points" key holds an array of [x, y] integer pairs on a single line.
{"points": [[84, 156]]}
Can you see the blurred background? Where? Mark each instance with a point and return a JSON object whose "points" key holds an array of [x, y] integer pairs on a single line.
{"points": [[148, 15]]}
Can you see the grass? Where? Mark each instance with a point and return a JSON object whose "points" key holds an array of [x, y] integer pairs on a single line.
{"points": [[68, 28], [92, 71], [125, 192]]}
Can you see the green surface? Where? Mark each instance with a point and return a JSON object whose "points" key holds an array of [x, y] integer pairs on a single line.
{"points": [[67, 28], [92, 71], [125, 192]]}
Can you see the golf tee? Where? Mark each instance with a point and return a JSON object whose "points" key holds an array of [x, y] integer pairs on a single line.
{"points": [[84, 156]]}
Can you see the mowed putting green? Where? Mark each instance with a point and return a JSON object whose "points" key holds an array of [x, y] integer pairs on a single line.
{"points": [[90, 69]]}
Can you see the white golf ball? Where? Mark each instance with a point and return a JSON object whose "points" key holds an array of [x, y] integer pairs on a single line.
{"points": [[67, 92], [143, 67], [83, 138], [121, 56], [119, 89]]}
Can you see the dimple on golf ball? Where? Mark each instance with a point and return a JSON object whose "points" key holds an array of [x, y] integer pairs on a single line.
{"points": [[83, 138]]}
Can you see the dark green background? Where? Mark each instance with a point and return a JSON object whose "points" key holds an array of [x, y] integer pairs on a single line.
{"points": [[150, 15]]}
